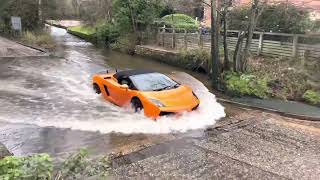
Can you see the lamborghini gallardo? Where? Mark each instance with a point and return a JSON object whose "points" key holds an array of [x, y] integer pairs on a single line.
{"points": [[154, 93]]}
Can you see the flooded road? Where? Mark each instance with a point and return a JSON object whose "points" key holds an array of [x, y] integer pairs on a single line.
{"points": [[48, 105]]}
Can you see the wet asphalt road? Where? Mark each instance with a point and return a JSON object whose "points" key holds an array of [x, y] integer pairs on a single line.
{"points": [[248, 145]]}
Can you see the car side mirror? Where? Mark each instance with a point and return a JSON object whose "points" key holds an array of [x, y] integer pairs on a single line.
{"points": [[124, 86]]}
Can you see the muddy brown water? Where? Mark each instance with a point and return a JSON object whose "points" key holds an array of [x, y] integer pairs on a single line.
{"points": [[48, 105]]}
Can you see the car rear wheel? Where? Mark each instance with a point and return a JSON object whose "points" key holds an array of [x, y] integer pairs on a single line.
{"points": [[136, 105], [96, 88]]}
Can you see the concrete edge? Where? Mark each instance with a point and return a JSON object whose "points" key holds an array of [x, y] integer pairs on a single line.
{"points": [[4, 151], [24, 57], [56, 25], [286, 114], [32, 47]]}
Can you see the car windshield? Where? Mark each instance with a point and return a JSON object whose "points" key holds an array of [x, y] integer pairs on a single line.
{"points": [[153, 82]]}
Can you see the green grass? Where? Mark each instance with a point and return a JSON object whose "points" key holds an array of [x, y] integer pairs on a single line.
{"points": [[247, 84], [41, 167], [42, 39], [312, 97], [87, 30]]}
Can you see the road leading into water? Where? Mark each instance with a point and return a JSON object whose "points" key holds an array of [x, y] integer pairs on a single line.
{"points": [[13, 49], [47, 105]]}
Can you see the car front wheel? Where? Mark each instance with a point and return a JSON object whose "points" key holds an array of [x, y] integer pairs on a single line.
{"points": [[96, 88], [136, 105]]}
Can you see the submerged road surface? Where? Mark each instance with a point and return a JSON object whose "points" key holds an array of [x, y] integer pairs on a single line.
{"points": [[47, 105]]}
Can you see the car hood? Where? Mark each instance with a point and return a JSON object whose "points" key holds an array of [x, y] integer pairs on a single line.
{"points": [[181, 96]]}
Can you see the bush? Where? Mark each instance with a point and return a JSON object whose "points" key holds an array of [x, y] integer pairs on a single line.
{"points": [[32, 167], [40, 167], [42, 39], [181, 21], [312, 97], [125, 43], [143, 12], [246, 84], [107, 33], [287, 77], [80, 166], [167, 10], [195, 59], [25, 10], [315, 27], [283, 18]]}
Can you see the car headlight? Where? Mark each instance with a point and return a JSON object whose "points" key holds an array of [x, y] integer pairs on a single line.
{"points": [[157, 102]]}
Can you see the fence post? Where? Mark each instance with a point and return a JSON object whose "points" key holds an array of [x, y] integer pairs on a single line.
{"points": [[260, 43], [163, 30], [200, 40], [185, 40], [173, 38], [295, 45], [158, 37]]}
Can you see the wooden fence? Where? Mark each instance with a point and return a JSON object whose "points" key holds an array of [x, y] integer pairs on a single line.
{"points": [[268, 44]]}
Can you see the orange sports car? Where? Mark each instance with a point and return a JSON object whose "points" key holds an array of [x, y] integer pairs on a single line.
{"points": [[154, 93]]}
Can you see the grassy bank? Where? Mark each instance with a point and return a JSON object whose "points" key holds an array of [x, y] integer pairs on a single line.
{"points": [[41, 39], [85, 32]]}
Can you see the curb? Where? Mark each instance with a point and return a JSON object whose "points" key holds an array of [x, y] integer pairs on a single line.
{"points": [[29, 46], [286, 114], [24, 57], [56, 25]]}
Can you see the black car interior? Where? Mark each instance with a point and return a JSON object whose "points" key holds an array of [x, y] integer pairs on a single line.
{"points": [[126, 80]]}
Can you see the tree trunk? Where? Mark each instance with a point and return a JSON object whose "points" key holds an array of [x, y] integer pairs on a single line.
{"points": [[133, 21], [40, 13], [241, 57], [251, 27], [225, 44], [237, 52], [215, 44]]}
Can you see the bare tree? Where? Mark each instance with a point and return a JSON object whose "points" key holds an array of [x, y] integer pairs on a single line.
{"points": [[241, 57], [40, 13], [3, 5], [76, 5], [251, 27], [226, 5], [133, 17]]}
